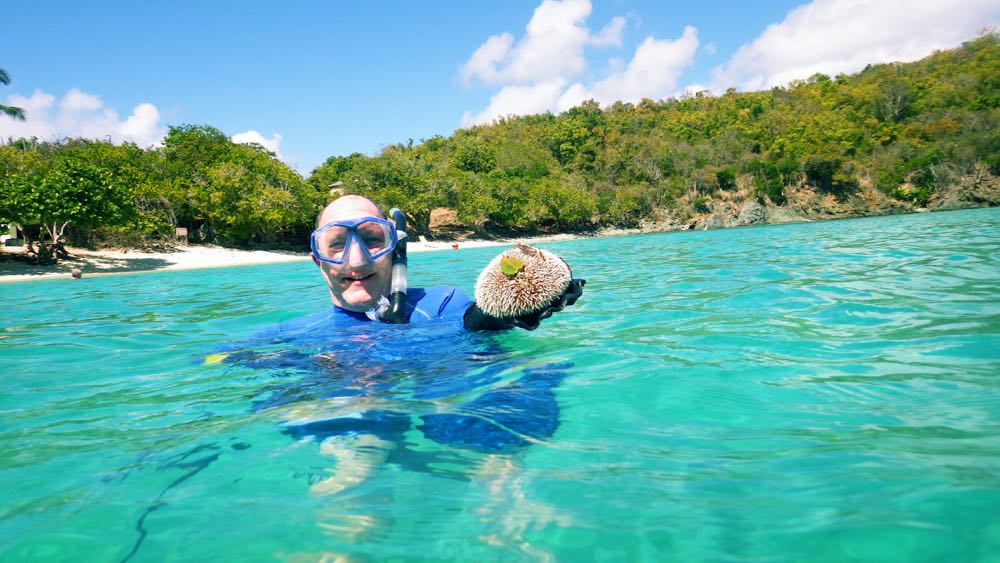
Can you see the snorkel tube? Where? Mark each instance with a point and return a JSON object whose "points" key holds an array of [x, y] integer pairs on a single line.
{"points": [[396, 313]]}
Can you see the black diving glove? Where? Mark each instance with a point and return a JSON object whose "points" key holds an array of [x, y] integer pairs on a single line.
{"points": [[476, 320]]}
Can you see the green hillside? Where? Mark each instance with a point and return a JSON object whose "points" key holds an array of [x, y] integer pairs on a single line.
{"points": [[894, 137]]}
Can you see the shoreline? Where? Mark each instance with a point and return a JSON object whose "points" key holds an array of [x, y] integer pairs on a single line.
{"points": [[122, 262], [199, 257]]}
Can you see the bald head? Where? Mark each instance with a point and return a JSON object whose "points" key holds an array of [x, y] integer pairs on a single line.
{"points": [[348, 207]]}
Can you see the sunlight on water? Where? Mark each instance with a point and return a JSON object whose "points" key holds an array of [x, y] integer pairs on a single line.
{"points": [[823, 391]]}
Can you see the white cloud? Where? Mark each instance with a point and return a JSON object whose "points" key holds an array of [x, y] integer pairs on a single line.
{"points": [[79, 114], [535, 74], [553, 44], [251, 136], [611, 34], [75, 100], [552, 47], [40, 103], [843, 36], [483, 63], [142, 124], [518, 100], [652, 73], [692, 89]]}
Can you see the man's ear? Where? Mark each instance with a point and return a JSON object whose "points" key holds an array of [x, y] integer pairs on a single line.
{"points": [[315, 260]]}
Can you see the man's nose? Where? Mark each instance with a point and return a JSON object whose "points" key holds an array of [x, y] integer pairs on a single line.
{"points": [[357, 257]]}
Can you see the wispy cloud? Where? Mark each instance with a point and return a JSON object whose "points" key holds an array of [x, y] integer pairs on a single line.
{"points": [[842, 36], [611, 35]]}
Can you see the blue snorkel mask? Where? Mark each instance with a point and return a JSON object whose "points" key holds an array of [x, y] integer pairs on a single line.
{"points": [[334, 241]]}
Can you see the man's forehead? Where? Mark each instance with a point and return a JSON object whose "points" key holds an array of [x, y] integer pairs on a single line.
{"points": [[350, 210]]}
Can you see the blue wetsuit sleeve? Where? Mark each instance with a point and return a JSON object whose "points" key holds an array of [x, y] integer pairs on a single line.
{"points": [[439, 302], [455, 305]]}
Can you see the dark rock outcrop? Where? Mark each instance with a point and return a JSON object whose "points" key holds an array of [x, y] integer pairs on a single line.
{"points": [[751, 213], [979, 189]]}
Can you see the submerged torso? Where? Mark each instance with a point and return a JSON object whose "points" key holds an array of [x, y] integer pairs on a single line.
{"points": [[337, 372]]}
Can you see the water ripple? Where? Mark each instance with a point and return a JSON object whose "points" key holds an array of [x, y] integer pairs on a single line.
{"points": [[793, 392]]}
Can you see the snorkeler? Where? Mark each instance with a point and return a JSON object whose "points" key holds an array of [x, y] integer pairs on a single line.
{"points": [[362, 257], [348, 361]]}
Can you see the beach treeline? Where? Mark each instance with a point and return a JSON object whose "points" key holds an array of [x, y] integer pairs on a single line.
{"points": [[908, 130]]}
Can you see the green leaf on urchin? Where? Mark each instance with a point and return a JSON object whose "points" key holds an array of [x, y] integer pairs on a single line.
{"points": [[510, 266]]}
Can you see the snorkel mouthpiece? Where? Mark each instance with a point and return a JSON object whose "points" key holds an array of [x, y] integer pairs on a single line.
{"points": [[396, 312]]}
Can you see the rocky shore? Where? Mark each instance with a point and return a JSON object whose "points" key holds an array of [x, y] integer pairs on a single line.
{"points": [[804, 203]]}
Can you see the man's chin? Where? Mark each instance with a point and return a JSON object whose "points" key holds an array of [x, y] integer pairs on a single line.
{"points": [[359, 303]]}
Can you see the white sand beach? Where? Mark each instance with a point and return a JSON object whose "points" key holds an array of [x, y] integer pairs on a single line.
{"points": [[117, 262]]}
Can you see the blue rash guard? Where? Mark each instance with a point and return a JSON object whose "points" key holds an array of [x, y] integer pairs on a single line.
{"points": [[414, 368], [438, 303]]}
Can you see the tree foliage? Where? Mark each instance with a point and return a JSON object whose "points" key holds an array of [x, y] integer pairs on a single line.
{"points": [[70, 190], [94, 191], [9, 111], [911, 129]]}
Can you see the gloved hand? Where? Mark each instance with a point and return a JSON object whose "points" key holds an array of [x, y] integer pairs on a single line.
{"points": [[476, 320]]}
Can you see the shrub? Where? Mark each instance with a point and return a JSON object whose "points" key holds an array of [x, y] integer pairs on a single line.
{"points": [[828, 175], [726, 177]]}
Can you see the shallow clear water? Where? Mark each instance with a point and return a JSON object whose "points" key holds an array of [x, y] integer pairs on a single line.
{"points": [[823, 392]]}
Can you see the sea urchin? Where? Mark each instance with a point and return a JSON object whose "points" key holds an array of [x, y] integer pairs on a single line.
{"points": [[521, 280]]}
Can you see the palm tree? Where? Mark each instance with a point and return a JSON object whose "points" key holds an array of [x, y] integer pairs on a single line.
{"points": [[16, 113]]}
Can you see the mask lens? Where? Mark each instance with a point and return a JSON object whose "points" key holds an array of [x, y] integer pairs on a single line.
{"points": [[375, 236], [332, 242]]}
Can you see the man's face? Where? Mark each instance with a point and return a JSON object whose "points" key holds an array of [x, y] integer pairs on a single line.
{"points": [[358, 283]]}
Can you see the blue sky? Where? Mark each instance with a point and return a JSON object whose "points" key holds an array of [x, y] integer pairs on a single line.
{"points": [[316, 79]]}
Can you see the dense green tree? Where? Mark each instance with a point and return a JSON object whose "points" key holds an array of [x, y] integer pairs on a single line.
{"points": [[70, 191], [134, 169], [232, 193], [239, 194], [255, 197], [189, 152], [474, 203], [333, 170], [474, 156], [726, 178], [562, 203]]}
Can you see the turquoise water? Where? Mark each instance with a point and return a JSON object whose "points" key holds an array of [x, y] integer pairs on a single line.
{"points": [[823, 392]]}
